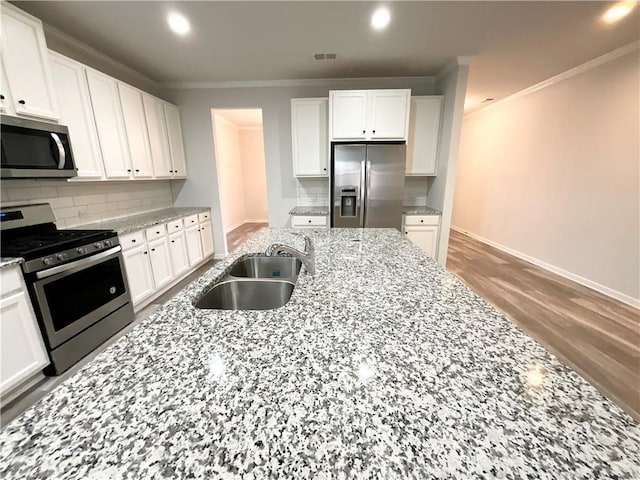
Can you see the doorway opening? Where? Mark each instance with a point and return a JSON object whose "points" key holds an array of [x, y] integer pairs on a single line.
{"points": [[242, 184]]}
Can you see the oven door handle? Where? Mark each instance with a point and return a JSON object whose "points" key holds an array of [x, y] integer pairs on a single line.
{"points": [[61, 153], [78, 264]]}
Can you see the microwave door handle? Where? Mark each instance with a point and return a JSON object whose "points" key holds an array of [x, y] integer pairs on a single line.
{"points": [[61, 153]]}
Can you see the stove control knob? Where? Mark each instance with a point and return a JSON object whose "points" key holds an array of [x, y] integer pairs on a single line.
{"points": [[81, 250], [48, 261], [62, 257], [98, 244], [107, 243]]}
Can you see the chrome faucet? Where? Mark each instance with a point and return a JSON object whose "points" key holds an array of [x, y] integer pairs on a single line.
{"points": [[308, 257]]}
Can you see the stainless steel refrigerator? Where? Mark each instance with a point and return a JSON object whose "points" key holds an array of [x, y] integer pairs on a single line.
{"points": [[367, 184]]}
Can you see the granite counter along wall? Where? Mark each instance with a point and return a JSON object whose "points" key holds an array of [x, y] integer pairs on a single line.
{"points": [[76, 203]]}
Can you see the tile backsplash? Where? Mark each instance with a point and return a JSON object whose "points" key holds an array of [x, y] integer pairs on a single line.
{"points": [[315, 191], [76, 203]]}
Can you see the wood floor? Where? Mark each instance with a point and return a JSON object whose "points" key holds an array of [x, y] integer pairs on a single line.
{"points": [[596, 336], [236, 237]]}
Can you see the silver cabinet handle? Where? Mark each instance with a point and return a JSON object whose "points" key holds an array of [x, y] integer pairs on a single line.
{"points": [[56, 139]]}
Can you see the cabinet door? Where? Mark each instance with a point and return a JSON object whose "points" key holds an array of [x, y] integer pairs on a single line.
{"points": [[424, 133], [158, 137], [107, 113], [178, 252], [309, 136], [6, 105], [424, 237], [194, 245], [25, 57], [176, 144], [22, 351], [160, 262], [138, 267], [389, 114], [75, 112], [207, 239], [348, 114], [136, 129]]}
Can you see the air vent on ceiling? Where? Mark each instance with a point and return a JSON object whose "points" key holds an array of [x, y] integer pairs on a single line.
{"points": [[324, 56]]}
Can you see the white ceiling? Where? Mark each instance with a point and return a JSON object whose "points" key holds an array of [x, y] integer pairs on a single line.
{"points": [[516, 44], [242, 117]]}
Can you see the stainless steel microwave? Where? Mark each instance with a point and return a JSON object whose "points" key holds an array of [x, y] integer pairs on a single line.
{"points": [[32, 149]]}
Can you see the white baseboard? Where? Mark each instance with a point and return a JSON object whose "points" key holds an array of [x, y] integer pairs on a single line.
{"points": [[233, 227], [610, 292], [257, 220], [248, 220]]}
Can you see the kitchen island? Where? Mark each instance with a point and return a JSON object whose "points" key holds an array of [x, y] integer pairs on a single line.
{"points": [[382, 365]]}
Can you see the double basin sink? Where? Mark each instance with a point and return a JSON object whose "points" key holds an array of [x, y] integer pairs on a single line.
{"points": [[258, 282]]}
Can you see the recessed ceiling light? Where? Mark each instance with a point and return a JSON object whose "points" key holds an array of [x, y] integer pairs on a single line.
{"points": [[380, 18], [618, 11], [178, 23]]}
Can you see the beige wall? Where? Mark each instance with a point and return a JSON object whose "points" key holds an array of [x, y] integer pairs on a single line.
{"points": [[78, 203], [255, 179], [241, 173], [554, 175], [231, 175]]}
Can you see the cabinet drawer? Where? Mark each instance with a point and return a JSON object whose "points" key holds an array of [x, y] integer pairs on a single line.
{"points": [[312, 220], [173, 227], [421, 219], [11, 280], [203, 217], [155, 232], [131, 240], [190, 221]]}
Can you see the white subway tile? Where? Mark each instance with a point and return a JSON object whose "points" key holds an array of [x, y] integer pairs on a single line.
{"points": [[92, 199], [32, 193]]}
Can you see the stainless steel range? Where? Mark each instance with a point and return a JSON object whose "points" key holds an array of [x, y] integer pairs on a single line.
{"points": [[75, 278]]}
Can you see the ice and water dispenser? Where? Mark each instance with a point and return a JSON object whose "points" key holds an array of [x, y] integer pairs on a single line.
{"points": [[348, 196]]}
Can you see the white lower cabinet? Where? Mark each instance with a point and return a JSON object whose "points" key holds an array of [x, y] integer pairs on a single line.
{"points": [[138, 266], [178, 251], [194, 245], [207, 239], [157, 257], [160, 262], [422, 230], [22, 350], [309, 221]]}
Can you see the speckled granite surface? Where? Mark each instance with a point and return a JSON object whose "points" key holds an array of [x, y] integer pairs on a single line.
{"points": [[383, 365], [420, 210], [143, 220], [8, 261], [309, 211]]}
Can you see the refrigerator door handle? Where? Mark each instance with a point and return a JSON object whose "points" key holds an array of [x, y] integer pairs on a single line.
{"points": [[363, 192]]}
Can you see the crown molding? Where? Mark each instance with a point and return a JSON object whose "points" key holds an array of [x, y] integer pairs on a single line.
{"points": [[67, 39], [596, 62], [312, 82]]}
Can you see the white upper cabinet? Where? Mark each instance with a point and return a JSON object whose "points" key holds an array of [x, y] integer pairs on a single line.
{"points": [[107, 113], [309, 136], [136, 130], [25, 58], [424, 134], [369, 114], [389, 118], [158, 136], [176, 144], [348, 114], [76, 113]]}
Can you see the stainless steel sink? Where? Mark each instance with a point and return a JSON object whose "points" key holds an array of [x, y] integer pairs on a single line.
{"points": [[247, 295], [263, 266]]}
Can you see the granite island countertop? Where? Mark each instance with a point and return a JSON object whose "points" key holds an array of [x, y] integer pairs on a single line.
{"points": [[383, 365], [139, 221], [8, 261], [420, 210]]}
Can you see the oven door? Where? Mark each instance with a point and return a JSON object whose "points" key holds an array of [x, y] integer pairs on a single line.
{"points": [[35, 149], [74, 296]]}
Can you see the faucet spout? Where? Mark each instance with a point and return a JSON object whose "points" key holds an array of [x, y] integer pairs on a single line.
{"points": [[308, 257]]}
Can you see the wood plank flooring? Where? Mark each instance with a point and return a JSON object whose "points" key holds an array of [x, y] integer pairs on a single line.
{"points": [[236, 237], [595, 335]]}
